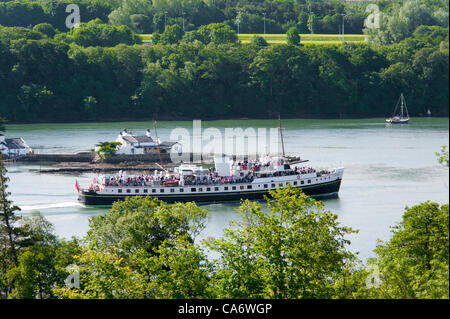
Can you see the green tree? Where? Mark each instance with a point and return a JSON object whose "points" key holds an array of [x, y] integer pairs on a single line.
{"points": [[36, 231], [34, 276], [8, 231], [144, 223], [171, 35], [259, 41], [293, 36], [217, 33], [107, 148], [443, 155], [294, 249], [141, 23], [143, 248], [178, 268], [104, 275], [45, 28], [64, 257], [414, 263], [400, 23]]}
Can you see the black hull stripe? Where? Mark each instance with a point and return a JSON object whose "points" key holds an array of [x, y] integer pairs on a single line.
{"points": [[318, 189]]}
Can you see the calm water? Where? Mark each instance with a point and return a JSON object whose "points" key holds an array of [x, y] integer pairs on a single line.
{"points": [[386, 169]]}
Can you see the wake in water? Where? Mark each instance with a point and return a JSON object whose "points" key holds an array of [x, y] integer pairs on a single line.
{"points": [[48, 206]]}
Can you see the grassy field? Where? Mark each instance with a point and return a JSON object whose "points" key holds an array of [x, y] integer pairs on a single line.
{"points": [[281, 38]]}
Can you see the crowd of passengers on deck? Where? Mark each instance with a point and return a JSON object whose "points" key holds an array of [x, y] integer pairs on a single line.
{"points": [[211, 178]]}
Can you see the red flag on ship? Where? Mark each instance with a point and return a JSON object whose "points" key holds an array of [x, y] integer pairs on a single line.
{"points": [[77, 186]]}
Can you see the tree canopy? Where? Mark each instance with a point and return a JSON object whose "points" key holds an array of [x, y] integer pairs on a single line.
{"points": [[414, 263]]}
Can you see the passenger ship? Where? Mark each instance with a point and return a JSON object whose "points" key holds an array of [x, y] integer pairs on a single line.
{"points": [[228, 181]]}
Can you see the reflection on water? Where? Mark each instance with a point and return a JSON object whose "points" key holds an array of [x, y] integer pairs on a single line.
{"points": [[386, 169]]}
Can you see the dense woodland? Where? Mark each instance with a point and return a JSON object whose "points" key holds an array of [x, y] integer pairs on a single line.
{"points": [[146, 16], [101, 71]]}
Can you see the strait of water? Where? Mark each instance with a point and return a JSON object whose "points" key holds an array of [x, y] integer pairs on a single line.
{"points": [[387, 167]]}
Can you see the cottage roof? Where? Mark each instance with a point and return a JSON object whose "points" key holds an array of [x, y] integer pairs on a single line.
{"points": [[144, 139], [137, 139], [14, 143]]}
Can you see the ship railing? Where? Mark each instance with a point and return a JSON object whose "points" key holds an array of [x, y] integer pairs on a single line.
{"points": [[163, 185]]}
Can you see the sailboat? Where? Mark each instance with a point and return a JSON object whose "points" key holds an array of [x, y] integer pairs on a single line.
{"points": [[401, 118]]}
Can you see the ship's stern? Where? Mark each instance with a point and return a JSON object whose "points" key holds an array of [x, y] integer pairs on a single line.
{"points": [[87, 197]]}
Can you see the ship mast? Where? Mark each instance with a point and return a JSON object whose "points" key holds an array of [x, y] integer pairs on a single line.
{"points": [[402, 103], [281, 133], [157, 141], [406, 108]]}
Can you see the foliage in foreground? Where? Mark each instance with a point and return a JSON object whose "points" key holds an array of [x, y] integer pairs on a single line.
{"points": [[293, 249], [443, 156], [414, 263], [144, 249]]}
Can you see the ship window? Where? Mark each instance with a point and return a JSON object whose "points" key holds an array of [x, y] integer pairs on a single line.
{"points": [[295, 183], [249, 186], [281, 184], [145, 191], [233, 187], [181, 190], [309, 181], [136, 190], [119, 191], [200, 189], [208, 189], [172, 190], [242, 187], [153, 190], [225, 188], [128, 190], [193, 189], [265, 185], [302, 182], [161, 190], [273, 185], [216, 188]]}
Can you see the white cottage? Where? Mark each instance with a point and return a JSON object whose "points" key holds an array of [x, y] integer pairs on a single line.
{"points": [[13, 147], [135, 144], [142, 144]]}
